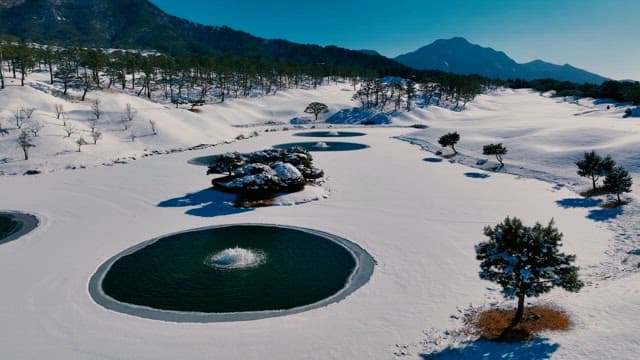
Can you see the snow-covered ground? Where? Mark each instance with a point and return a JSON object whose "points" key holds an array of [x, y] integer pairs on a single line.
{"points": [[419, 219]]}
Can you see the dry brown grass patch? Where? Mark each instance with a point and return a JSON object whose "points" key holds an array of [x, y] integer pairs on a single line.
{"points": [[493, 324], [196, 110]]}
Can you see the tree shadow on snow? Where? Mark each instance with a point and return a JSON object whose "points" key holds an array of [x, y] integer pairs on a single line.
{"points": [[206, 203], [570, 203], [432, 160], [601, 215], [536, 349], [476, 175]]}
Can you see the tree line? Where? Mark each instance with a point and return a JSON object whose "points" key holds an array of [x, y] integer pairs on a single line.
{"points": [[455, 90], [622, 91], [196, 78]]}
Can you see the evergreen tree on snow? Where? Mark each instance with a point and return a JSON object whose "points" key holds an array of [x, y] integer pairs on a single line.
{"points": [[618, 181], [316, 108], [495, 149], [526, 261], [594, 166], [450, 139]]}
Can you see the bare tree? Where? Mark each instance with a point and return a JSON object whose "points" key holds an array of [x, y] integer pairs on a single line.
{"points": [[81, 142], [24, 141], [59, 111], [130, 113], [93, 124], [96, 109], [69, 129], [28, 113], [125, 123], [154, 127], [35, 128], [96, 135], [18, 115]]}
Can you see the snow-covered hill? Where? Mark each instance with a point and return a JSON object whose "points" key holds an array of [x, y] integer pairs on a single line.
{"points": [[176, 128]]}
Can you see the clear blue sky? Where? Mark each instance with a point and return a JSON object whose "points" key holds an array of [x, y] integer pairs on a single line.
{"points": [[597, 35]]}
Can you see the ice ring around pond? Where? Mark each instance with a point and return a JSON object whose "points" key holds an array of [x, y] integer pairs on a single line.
{"points": [[231, 273], [15, 224], [329, 133], [324, 146]]}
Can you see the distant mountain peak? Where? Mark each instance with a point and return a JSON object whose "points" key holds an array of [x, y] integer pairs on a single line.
{"points": [[458, 55]]}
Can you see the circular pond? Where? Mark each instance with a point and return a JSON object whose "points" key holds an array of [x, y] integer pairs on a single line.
{"points": [[324, 146], [14, 224], [231, 273], [329, 133]]}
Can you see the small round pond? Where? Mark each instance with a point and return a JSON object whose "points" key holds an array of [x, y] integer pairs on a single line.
{"points": [[202, 160], [15, 224], [231, 273], [324, 146], [329, 133]]}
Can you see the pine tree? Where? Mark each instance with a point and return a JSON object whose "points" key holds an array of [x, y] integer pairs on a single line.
{"points": [[495, 149], [316, 108], [594, 166], [450, 139], [526, 261], [618, 181]]}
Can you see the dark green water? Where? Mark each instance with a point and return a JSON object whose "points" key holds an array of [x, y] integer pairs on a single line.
{"points": [[331, 134], [8, 226], [324, 146], [171, 274], [202, 160]]}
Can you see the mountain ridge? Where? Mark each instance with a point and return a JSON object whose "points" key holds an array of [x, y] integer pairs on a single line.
{"points": [[458, 55], [140, 24]]}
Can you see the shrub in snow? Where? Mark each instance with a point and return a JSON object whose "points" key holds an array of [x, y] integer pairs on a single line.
{"points": [[618, 181], [526, 261], [225, 163], [450, 139], [495, 149], [594, 166]]}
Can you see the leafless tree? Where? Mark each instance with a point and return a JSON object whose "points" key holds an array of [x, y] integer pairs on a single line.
{"points": [[35, 128], [24, 141], [125, 123], [130, 113], [93, 124], [96, 109], [96, 135], [154, 127], [59, 111], [28, 113], [81, 142], [19, 115], [69, 129]]}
